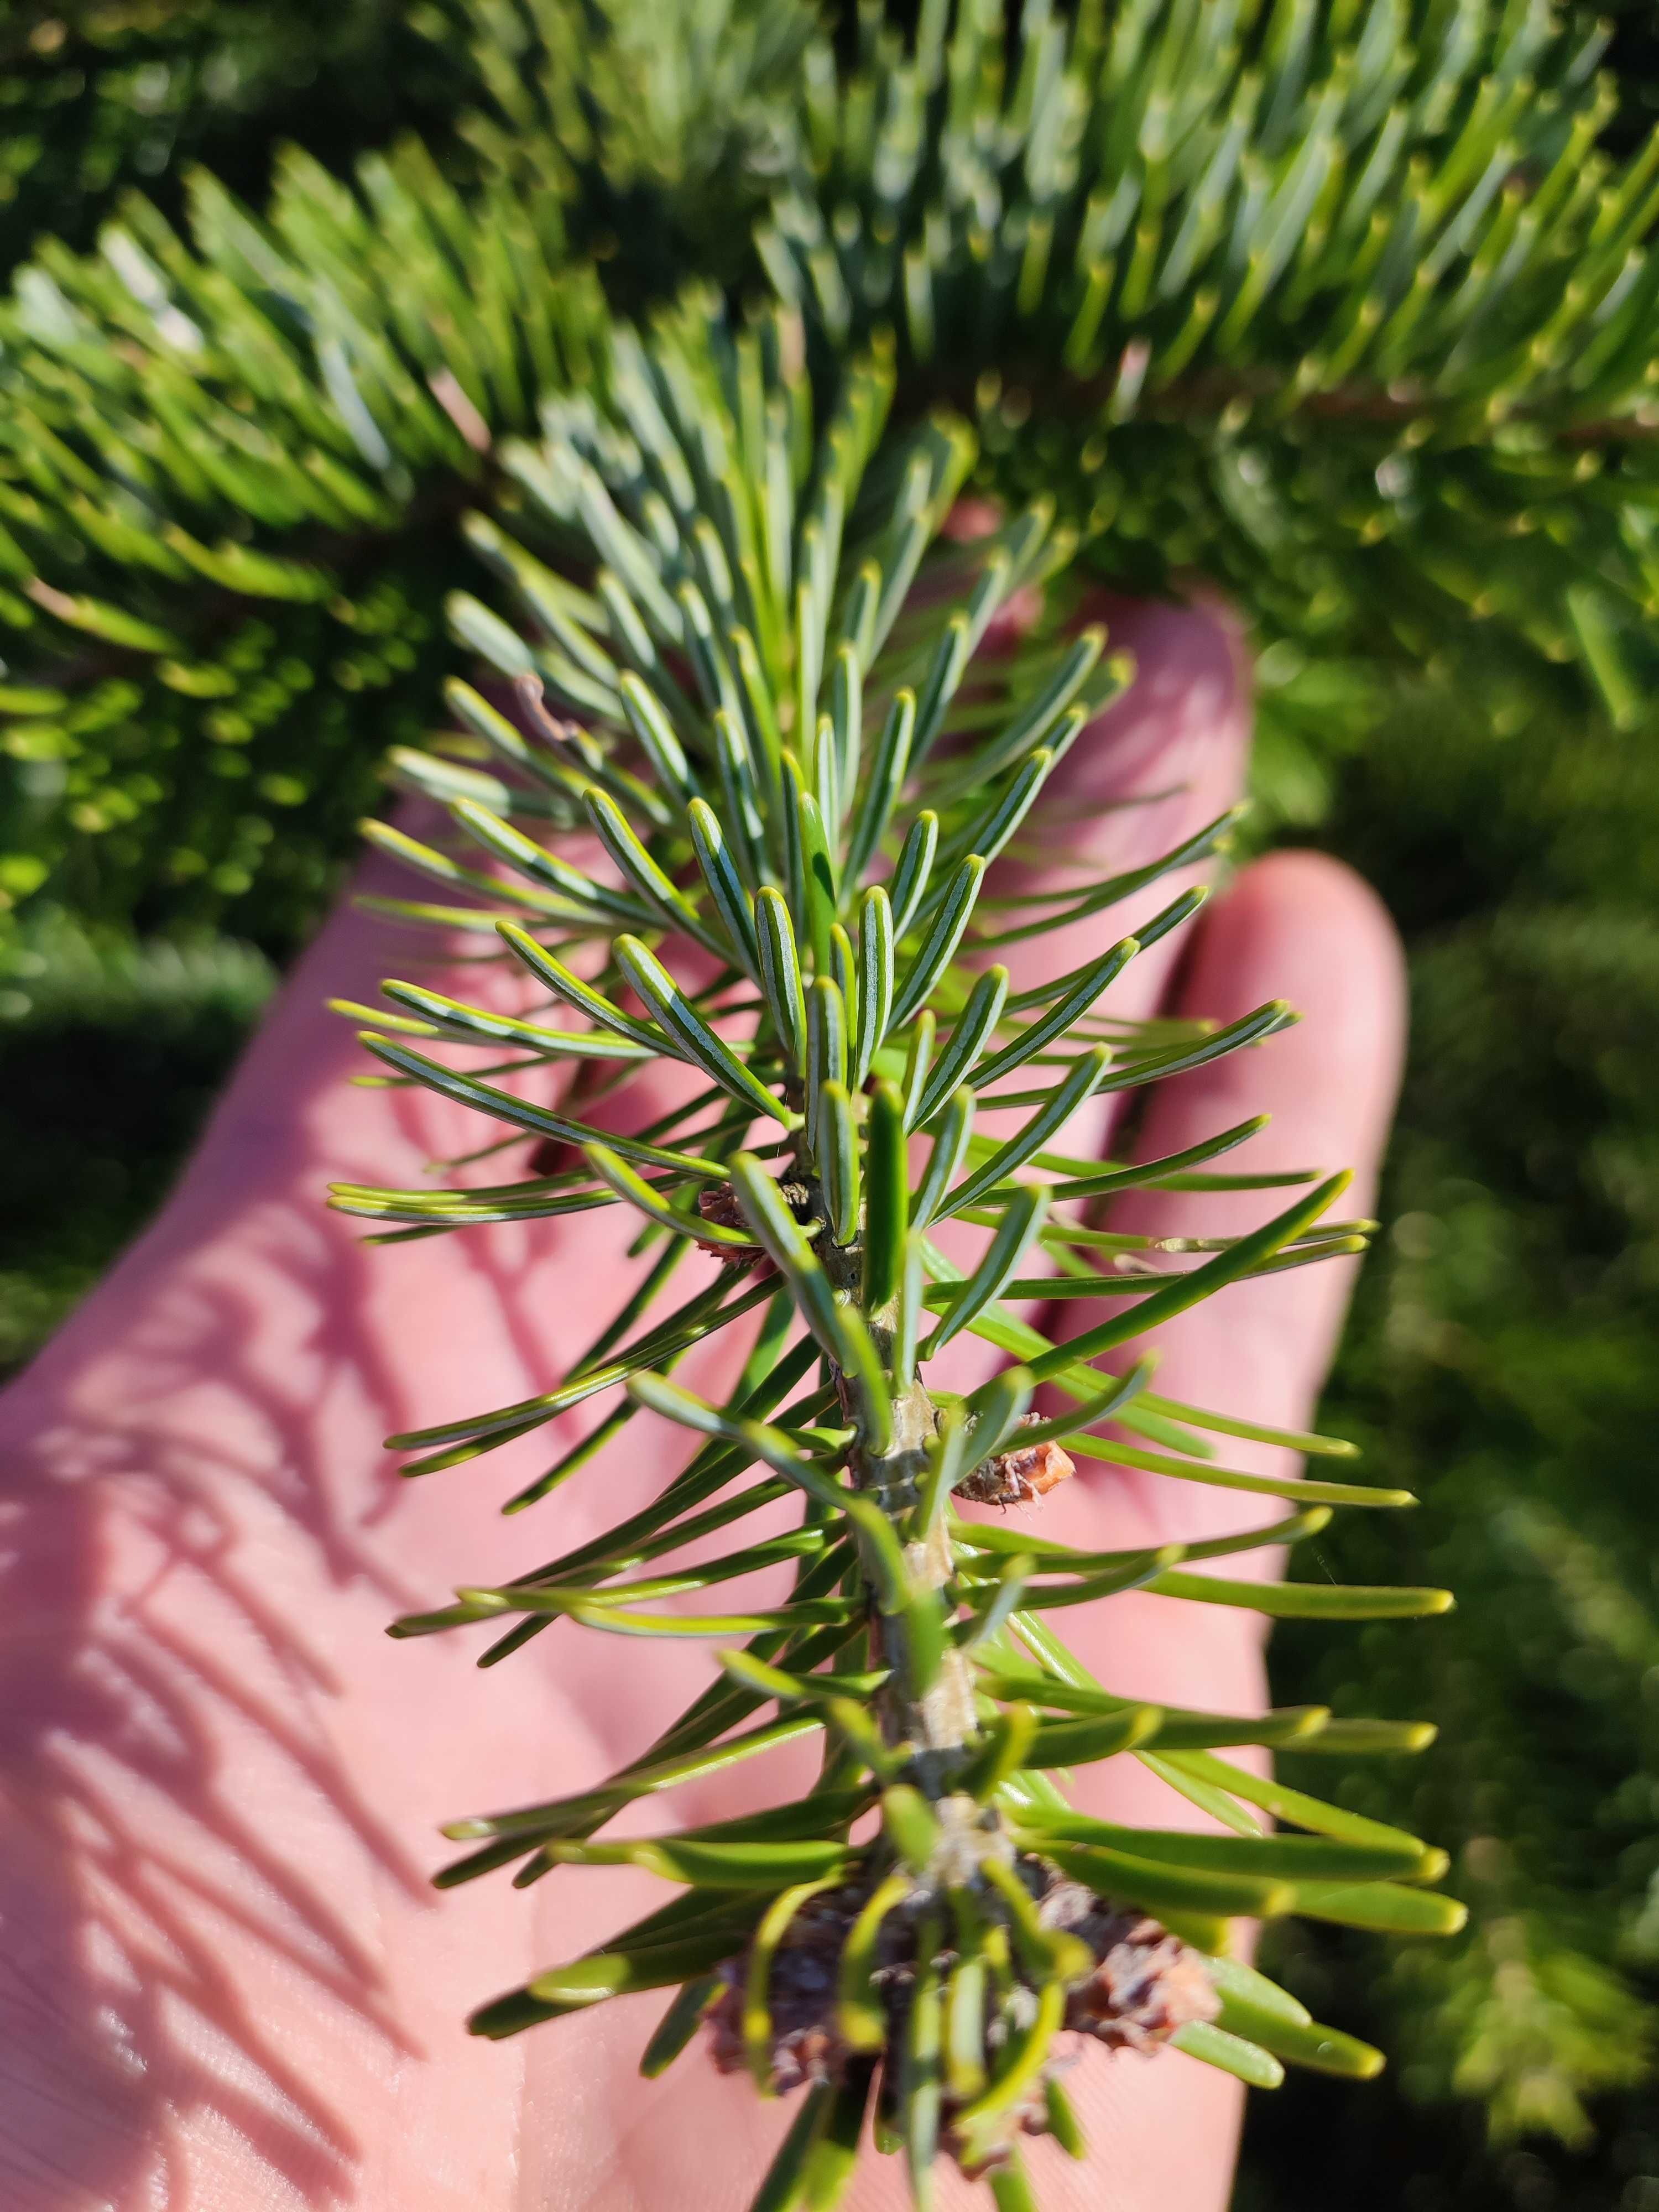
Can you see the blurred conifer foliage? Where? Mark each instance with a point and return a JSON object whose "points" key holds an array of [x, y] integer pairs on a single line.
{"points": [[1351, 306], [1502, 1352], [1341, 304], [100, 95]]}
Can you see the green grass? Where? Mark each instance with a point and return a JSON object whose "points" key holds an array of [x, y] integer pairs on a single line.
{"points": [[111, 1054]]}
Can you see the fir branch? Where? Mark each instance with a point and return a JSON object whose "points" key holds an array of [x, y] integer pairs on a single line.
{"points": [[943, 1700]]}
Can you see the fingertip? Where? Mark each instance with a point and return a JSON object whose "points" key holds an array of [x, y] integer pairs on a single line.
{"points": [[1319, 887], [1305, 928], [1183, 722], [1166, 759], [1198, 629], [1299, 927]]}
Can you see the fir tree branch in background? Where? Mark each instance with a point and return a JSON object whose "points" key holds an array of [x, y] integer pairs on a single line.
{"points": [[1290, 224], [103, 95], [1501, 1358], [222, 541]]}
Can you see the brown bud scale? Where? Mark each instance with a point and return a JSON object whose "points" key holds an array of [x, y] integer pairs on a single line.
{"points": [[1144, 1986], [1018, 1478]]}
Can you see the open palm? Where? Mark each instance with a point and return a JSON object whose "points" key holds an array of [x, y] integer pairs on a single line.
{"points": [[226, 1982]]}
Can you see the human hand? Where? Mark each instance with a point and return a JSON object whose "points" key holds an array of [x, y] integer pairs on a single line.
{"points": [[226, 1982]]}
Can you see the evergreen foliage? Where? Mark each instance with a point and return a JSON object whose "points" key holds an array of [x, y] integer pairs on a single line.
{"points": [[799, 767], [1339, 304], [1415, 309], [111, 1053], [102, 95], [230, 470], [1504, 1342]]}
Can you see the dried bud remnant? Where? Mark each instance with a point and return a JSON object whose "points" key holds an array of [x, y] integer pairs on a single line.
{"points": [[805, 2045], [1147, 1983], [717, 1204], [1144, 1985], [1017, 1478]]}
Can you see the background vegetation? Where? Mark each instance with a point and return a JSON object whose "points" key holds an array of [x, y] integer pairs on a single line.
{"points": [[1501, 1361]]}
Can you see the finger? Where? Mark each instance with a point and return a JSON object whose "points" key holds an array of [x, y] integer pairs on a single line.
{"points": [[1167, 758], [1298, 925], [1301, 926]]}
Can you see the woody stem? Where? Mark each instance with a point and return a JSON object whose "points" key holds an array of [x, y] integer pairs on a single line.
{"points": [[937, 1725]]}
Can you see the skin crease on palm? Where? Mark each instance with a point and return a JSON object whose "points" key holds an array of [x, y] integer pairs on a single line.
{"points": [[225, 1985]]}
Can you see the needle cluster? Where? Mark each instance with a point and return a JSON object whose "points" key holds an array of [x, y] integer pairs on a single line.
{"points": [[759, 730]]}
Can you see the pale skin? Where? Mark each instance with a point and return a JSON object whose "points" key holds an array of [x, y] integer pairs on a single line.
{"points": [[224, 1984]]}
